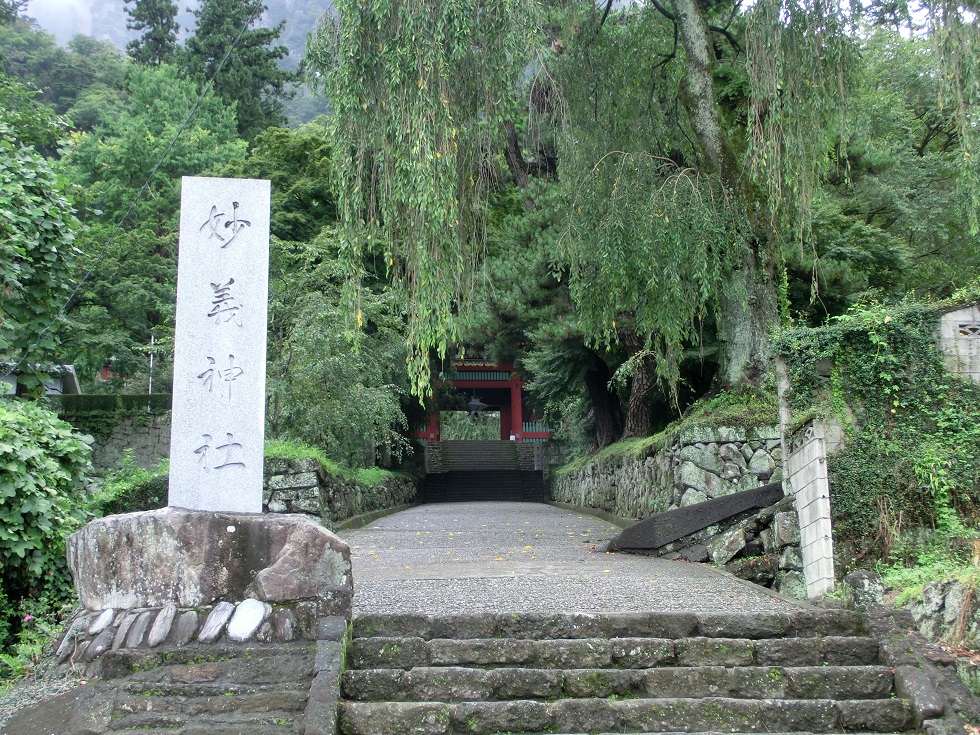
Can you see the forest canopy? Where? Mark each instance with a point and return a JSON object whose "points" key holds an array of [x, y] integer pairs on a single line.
{"points": [[623, 201], [699, 172]]}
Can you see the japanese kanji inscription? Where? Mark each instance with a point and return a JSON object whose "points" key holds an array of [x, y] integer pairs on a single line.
{"points": [[218, 421]]}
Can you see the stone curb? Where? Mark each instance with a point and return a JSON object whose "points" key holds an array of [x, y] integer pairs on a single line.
{"points": [[364, 519], [322, 705]]}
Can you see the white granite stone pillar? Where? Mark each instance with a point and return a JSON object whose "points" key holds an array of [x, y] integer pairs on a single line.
{"points": [[218, 420]]}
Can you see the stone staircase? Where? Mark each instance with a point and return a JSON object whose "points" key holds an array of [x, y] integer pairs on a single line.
{"points": [[221, 689], [479, 471], [474, 456], [811, 671]]}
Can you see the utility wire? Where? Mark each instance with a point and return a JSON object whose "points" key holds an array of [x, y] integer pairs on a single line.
{"points": [[139, 196]]}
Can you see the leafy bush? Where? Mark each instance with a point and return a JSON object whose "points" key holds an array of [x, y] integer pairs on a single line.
{"points": [[133, 488], [288, 449], [43, 467], [40, 623], [37, 225], [369, 476]]}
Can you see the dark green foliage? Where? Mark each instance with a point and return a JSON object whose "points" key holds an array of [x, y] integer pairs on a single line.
{"points": [[459, 425], [37, 256], [131, 294], [157, 21], [9, 10], [65, 78], [85, 403], [645, 223], [331, 384], [148, 494], [889, 218], [43, 465], [298, 164], [99, 414], [419, 92], [131, 488], [251, 80], [30, 121], [912, 452]]}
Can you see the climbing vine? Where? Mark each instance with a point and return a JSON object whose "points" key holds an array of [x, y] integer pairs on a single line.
{"points": [[911, 457]]}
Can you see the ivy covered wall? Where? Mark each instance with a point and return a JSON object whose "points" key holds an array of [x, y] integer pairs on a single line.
{"points": [[909, 468]]}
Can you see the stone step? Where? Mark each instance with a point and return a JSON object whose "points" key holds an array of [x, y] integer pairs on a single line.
{"points": [[798, 624], [454, 684], [266, 670], [274, 701], [593, 653], [241, 724], [213, 729], [289, 660], [471, 456], [502, 484], [661, 715]]}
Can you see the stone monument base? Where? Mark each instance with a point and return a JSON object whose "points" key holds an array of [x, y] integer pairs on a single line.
{"points": [[207, 621], [191, 558]]}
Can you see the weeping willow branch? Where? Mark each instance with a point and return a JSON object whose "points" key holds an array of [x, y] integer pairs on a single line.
{"points": [[653, 240], [956, 33], [420, 90]]}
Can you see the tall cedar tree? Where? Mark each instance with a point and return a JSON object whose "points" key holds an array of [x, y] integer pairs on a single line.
{"points": [[251, 78], [157, 20], [10, 8]]}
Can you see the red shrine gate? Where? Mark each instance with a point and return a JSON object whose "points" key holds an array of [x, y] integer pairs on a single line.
{"points": [[498, 387]]}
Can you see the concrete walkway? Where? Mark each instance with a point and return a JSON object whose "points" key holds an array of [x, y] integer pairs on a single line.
{"points": [[526, 557]]}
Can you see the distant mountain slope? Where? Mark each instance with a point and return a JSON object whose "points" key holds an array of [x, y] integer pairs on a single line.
{"points": [[106, 20]]}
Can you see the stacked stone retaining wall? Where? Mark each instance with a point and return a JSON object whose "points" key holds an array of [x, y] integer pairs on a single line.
{"points": [[702, 464], [948, 611], [300, 486]]}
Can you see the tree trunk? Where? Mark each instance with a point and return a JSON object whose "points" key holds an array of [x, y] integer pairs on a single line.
{"points": [[605, 404], [515, 160], [643, 386], [749, 311], [749, 304]]}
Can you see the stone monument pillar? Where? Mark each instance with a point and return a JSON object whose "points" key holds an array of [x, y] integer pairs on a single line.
{"points": [[218, 419], [211, 569]]}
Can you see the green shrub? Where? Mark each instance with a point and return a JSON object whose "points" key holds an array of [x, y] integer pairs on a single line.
{"points": [[43, 469], [288, 449], [369, 476], [40, 623], [133, 488]]}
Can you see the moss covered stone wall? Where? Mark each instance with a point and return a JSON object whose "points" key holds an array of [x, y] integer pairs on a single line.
{"points": [[701, 464], [138, 424], [301, 486]]}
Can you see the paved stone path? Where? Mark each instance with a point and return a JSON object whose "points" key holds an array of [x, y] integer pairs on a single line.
{"points": [[526, 557]]}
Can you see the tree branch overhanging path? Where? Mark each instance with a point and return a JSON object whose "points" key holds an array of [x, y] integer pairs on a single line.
{"points": [[427, 94]]}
